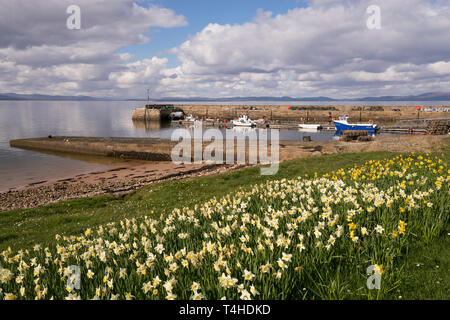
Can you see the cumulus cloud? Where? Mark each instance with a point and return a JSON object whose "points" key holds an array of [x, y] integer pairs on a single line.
{"points": [[142, 72], [324, 49], [38, 50], [26, 23]]}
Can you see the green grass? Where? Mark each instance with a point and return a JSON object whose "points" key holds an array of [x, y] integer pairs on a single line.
{"points": [[20, 229], [427, 272]]}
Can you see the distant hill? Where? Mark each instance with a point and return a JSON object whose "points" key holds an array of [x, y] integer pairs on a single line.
{"points": [[175, 99], [15, 96], [429, 96], [10, 97]]}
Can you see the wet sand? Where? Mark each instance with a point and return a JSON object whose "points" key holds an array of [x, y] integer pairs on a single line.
{"points": [[119, 179], [124, 177]]}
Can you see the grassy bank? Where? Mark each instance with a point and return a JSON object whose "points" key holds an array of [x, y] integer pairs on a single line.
{"points": [[21, 229], [426, 271], [420, 266], [263, 236]]}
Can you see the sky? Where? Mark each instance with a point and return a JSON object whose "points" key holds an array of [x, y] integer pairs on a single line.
{"points": [[212, 48]]}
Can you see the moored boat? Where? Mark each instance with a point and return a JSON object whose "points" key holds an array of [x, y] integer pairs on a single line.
{"points": [[342, 124], [244, 121], [177, 114], [190, 118]]}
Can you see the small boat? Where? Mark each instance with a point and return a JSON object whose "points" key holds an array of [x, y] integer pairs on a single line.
{"points": [[189, 118], [244, 121], [342, 124], [177, 114], [311, 127]]}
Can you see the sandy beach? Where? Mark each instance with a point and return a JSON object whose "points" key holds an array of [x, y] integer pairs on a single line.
{"points": [[119, 179], [124, 177]]}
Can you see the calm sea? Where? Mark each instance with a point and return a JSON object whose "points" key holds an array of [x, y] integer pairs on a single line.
{"points": [[27, 119]]}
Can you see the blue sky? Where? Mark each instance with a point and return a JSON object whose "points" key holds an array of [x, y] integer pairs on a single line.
{"points": [[305, 48], [199, 13]]}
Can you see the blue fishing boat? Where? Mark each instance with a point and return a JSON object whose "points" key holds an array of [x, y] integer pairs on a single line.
{"points": [[342, 124]]}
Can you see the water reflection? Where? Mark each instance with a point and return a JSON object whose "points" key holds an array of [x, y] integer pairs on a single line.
{"points": [[150, 125], [27, 119], [165, 131], [244, 130], [107, 161]]}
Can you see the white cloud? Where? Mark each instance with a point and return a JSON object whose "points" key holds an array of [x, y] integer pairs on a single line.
{"points": [[440, 67], [325, 49], [143, 72], [42, 55]]}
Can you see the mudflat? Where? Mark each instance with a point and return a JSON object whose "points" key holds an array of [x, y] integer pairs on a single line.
{"points": [[120, 179], [128, 176]]}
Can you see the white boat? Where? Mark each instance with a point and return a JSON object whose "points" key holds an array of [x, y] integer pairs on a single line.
{"points": [[310, 126], [190, 117], [244, 121], [177, 115]]}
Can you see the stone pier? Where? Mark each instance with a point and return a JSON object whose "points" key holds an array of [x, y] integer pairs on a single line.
{"points": [[161, 150]]}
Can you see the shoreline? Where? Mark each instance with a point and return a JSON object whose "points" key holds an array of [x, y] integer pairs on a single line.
{"points": [[126, 177], [118, 180], [34, 182]]}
